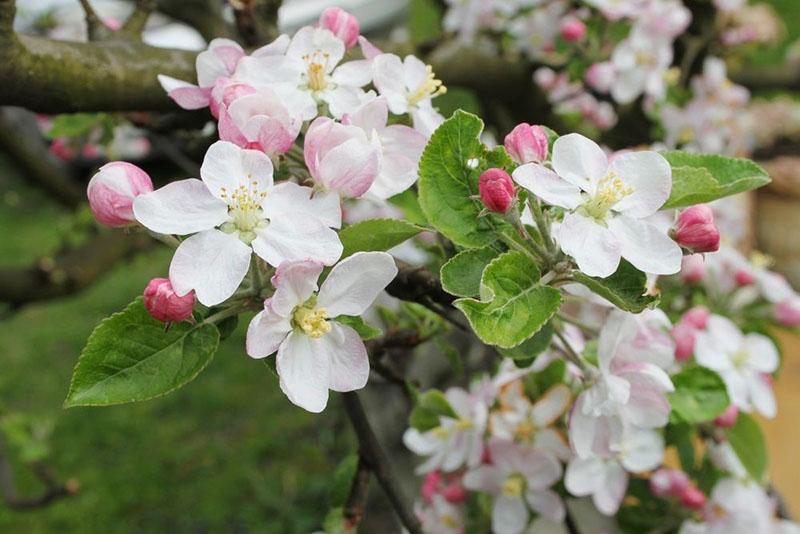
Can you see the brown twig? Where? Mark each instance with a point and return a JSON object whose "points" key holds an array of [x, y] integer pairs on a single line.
{"points": [[137, 20], [357, 499], [54, 490], [95, 28], [256, 20]]}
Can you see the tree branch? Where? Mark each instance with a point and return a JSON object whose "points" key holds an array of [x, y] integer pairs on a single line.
{"points": [[374, 457], [137, 20], [53, 491], [203, 15], [95, 28], [256, 20], [417, 284], [354, 506]]}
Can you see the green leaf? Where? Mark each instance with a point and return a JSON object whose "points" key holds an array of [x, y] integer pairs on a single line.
{"points": [[366, 331], [748, 442], [448, 181], [461, 275], [342, 480], [681, 435], [376, 234], [514, 305], [409, 203], [700, 395], [75, 124], [429, 406], [130, 357], [532, 347], [698, 178], [424, 21], [625, 288]]}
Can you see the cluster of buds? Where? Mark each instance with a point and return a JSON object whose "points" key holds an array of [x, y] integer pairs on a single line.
{"points": [[684, 331], [447, 485], [676, 484]]}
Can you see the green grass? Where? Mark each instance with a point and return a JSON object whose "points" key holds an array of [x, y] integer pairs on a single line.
{"points": [[228, 452]]}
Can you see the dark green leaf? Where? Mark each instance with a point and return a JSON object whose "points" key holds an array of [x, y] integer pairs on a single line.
{"points": [[625, 288], [376, 234], [532, 347], [342, 480]]}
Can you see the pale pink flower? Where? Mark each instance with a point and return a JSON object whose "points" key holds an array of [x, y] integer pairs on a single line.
{"points": [[342, 24], [600, 76], [259, 121], [316, 353], [112, 190], [640, 63]]}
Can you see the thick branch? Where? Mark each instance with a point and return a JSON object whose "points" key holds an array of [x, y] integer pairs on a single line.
{"points": [[137, 20], [256, 20], [372, 453], [772, 77], [417, 284]]}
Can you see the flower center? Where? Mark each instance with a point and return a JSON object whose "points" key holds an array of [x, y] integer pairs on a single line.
{"points": [[739, 358], [645, 59], [244, 210], [448, 521], [311, 320], [610, 190], [315, 71], [429, 88], [514, 486], [525, 431]]}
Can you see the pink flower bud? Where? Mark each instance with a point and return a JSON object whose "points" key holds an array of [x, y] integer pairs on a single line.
{"points": [[455, 492], [787, 312], [697, 317], [728, 418], [60, 148], [696, 230], [693, 268], [600, 76], [496, 190], [164, 304], [430, 486], [669, 482], [684, 336], [693, 498], [342, 24], [573, 29], [111, 192], [527, 143], [744, 278]]}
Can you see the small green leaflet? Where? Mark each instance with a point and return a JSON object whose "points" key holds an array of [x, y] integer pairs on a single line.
{"points": [[365, 330], [376, 234], [461, 275], [428, 407], [700, 395], [748, 442], [625, 288]]}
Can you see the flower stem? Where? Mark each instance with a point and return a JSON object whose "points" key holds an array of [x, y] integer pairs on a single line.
{"points": [[255, 276], [570, 354]]}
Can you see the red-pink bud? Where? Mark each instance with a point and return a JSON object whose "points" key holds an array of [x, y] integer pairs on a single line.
{"points": [[669, 482], [787, 312], [111, 192], [693, 268], [430, 485], [697, 317], [496, 189], [526, 143], [164, 304], [573, 29], [696, 230], [342, 24], [744, 278], [727, 418], [684, 336], [693, 498], [60, 148], [455, 492]]}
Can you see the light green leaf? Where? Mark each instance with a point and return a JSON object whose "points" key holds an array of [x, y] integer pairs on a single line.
{"points": [[429, 406], [366, 331], [448, 181], [514, 305], [343, 480], [698, 178], [376, 234], [529, 349], [461, 275], [748, 442], [130, 357], [625, 288], [700, 395], [75, 124]]}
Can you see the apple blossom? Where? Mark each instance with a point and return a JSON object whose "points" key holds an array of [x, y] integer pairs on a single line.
{"points": [[340, 157], [342, 24], [496, 190], [409, 85], [695, 229], [535, 32], [527, 143], [309, 74], [259, 121], [441, 516], [600, 76], [400, 148], [236, 210], [315, 351], [456, 442], [640, 62], [607, 205], [164, 304], [742, 361], [617, 9], [112, 190], [516, 476], [449, 486]]}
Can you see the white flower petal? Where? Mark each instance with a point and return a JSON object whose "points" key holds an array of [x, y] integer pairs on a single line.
{"points": [[595, 248], [762, 396], [484, 478], [650, 177], [181, 207], [265, 333], [299, 239], [546, 503], [645, 246], [644, 450], [551, 405], [547, 185], [609, 495], [295, 282], [579, 160], [303, 368], [212, 263], [583, 477], [762, 353], [227, 166], [349, 369], [509, 515], [355, 282]]}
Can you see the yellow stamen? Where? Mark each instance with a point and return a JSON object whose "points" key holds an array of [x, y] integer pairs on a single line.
{"points": [[610, 190], [513, 486], [430, 88], [317, 62], [312, 321]]}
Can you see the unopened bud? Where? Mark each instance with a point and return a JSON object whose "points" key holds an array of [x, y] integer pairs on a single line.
{"points": [[496, 190], [573, 29], [684, 336], [526, 143], [787, 312], [697, 317], [727, 418], [693, 498], [696, 230], [600, 76], [111, 192], [669, 482], [164, 304], [744, 278], [342, 24]]}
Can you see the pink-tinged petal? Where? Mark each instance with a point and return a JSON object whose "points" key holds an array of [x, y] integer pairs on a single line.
{"points": [[644, 450], [547, 185], [388, 78], [295, 282], [289, 200], [212, 263], [184, 94], [371, 115], [484, 478], [540, 469], [616, 335], [181, 207], [762, 353], [350, 168], [229, 131], [228, 51], [298, 239], [546, 503], [762, 396], [369, 50], [323, 135], [553, 442], [551, 405], [265, 333], [609, 494], [309, 41], [421, 444], [583, 477], [226, 167], [275, 48], [595, 248], [349, 361], [303, 369], [210, 66], [647, 375], [355, 282], [709, 354], [650, 177], [509, 515], [271, 134], [579, 160], [645, 246]]}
